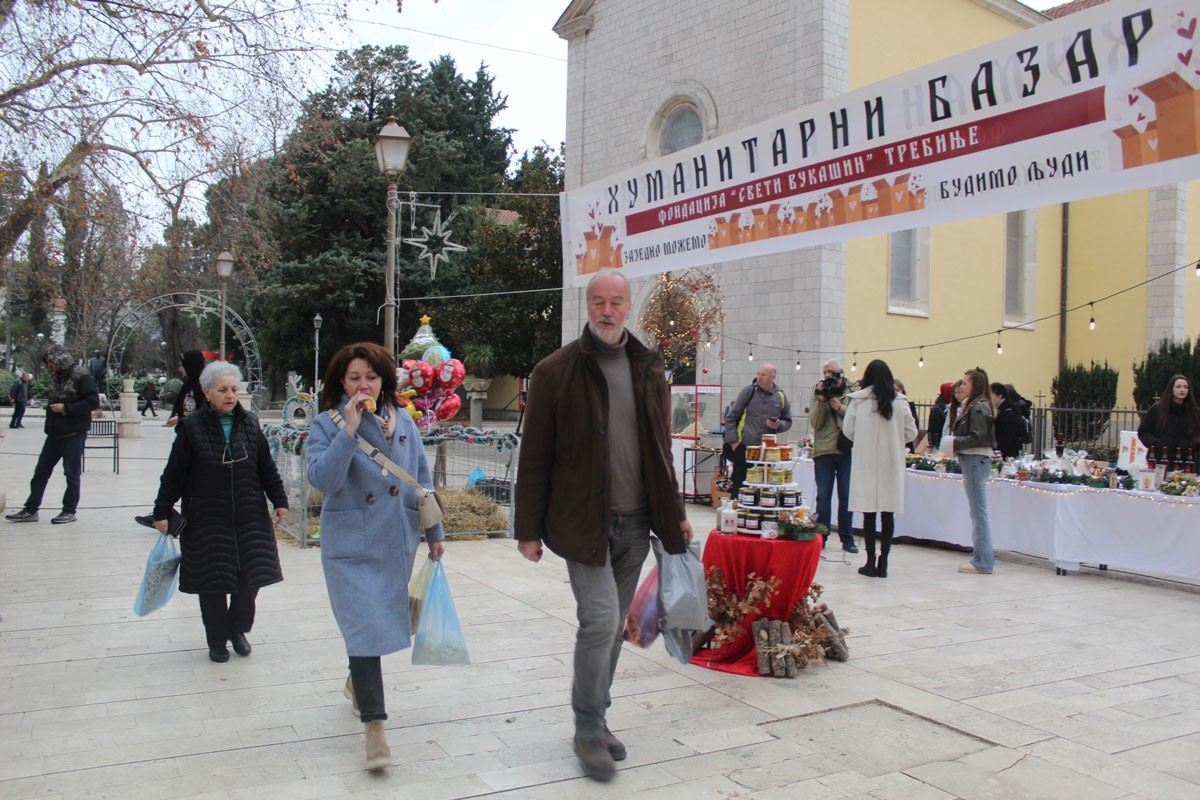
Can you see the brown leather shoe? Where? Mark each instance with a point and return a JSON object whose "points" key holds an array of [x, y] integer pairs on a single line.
{"points": [[593, 755]]}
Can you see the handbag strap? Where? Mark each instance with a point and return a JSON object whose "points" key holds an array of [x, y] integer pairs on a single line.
{"points": [[375, 454]]}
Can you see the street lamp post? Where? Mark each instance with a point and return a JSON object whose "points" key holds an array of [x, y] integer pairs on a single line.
{"points": [[224, 269], [317, 352], [163, 349], [41, 343], [391, 151]]}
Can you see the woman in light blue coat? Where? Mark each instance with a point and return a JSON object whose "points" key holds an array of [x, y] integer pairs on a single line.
{"points": [[369, 522]]}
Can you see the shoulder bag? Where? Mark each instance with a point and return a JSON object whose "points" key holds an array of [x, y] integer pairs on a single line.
{"points": [[429, 505]]}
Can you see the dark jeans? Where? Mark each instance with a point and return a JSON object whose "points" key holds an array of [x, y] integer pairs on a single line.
{"points": [[602, 599], [826, 469], [223, 614], [18, 415], [148, 407], [69, 450], [737, 459], [366, 675]]}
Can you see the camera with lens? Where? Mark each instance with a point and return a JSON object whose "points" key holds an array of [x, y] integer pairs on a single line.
{"points": [[832, 386]]}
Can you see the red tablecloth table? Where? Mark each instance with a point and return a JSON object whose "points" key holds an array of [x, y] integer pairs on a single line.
{"points": [[794, 563]]}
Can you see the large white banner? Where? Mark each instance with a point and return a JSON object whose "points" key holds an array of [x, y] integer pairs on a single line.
{"points": [[1101, 101]]}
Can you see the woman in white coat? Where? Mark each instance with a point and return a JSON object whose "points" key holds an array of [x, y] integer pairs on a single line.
{"points": [[370, 527], [880, 424]]}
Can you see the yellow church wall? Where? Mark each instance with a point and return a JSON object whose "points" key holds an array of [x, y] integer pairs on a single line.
{"points": [[1193, 252], [966, 273], [1108, 254]]}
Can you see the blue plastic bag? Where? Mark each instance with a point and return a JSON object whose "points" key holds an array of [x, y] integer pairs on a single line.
{"points": [[682, 599], [439, 640], [641, 623], [158, 583], [476, 475]]}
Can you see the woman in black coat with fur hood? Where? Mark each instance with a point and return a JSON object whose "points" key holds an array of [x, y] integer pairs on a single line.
{"points": [[221, 466]]}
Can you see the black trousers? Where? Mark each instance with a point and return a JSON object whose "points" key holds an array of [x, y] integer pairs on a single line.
{"points": [[737, 461], [366, 675], [18, 415], [225, 613]]}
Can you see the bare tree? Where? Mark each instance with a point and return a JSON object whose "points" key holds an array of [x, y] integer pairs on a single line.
{"points": [[141, 92]]}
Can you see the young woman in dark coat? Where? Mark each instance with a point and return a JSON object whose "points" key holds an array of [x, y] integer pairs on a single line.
{"points": [[1172, 424], [221, 466]]}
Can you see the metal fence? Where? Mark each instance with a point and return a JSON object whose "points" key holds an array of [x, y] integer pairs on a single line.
{"points": [[1096, 430], [459, 458]]}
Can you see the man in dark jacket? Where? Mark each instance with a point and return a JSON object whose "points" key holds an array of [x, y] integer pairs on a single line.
{"points": [[1009, 425], [72, 398], [19, 393], [596, 478]]}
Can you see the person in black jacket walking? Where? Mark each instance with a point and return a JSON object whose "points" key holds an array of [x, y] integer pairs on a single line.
{"points": [[221, 466], [1009, 424], [72, 398], [19, 393]]}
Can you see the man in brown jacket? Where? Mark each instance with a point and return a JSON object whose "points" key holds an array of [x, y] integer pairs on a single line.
{"points": [[595, 477]]}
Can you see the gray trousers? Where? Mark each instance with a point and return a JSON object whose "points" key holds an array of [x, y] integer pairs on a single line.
{"points": [[602, 599]]}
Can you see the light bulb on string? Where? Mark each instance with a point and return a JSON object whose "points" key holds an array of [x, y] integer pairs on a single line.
{"points": [[921, 357], [1092, 322], [999, 347], [751, 352], [854, 363], [797, 360]]}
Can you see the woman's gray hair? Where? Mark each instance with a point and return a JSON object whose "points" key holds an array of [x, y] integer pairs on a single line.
{"points": [[833, 362], [218, 369]]}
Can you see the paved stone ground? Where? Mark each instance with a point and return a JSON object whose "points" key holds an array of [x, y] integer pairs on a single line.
{"points": [[1016, 685]]}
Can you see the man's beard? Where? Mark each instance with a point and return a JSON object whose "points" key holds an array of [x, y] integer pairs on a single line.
{"points": [[610, 339]]}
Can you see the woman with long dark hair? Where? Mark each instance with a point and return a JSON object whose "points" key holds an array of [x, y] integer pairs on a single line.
{"points": [[1172, 425], [880, 424], [370, 526], [973, 426]]}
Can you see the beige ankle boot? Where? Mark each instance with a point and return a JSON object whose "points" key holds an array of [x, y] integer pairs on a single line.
{"points": [[349, 693], [379, 755]]}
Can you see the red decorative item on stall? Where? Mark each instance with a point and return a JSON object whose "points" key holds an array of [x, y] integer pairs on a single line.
{"points": [[449, 407]]}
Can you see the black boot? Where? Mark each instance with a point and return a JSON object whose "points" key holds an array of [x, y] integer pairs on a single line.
{"points": [[869, 569], [885, 545]]}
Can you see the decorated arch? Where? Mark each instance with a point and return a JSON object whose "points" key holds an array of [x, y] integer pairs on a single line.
{"points": [[197, 305]]}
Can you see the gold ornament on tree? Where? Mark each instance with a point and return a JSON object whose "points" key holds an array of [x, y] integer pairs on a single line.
{"points": [[684, 314]]}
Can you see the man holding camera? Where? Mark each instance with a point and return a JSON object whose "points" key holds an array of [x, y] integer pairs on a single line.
{"points": [[760, 408], [830, 462]]}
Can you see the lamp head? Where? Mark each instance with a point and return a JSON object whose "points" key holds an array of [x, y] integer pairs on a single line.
{"points": [[225, 264], [391, 148], [317, 322]]}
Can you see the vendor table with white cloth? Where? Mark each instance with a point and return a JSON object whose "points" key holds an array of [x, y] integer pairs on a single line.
{"points": [[1138, 531]]}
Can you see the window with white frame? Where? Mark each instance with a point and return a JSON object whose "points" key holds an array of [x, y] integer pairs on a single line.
{"points": [[1020, 267], [908, 272], [681, 129]]}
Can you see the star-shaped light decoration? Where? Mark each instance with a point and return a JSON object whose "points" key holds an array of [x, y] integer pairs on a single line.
{"points": [[435, 242], [198, 309]]}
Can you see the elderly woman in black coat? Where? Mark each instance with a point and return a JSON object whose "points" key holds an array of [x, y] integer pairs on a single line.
{"points": [[221, 466]]}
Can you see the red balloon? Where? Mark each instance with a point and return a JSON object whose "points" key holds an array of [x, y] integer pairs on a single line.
{"points": [[450, 373], [421, 376], [448, 407], [408, 363]]}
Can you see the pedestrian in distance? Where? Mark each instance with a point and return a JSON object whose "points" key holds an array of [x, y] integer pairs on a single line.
{"points": [[596, 478], [71, 398], [220, 466], [149, 395], [370, 524], [973, 439], [880, 423], [19, 394]]}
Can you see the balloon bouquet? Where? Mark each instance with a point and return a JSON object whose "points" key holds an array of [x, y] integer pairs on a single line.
{"points": [[426, 379]]}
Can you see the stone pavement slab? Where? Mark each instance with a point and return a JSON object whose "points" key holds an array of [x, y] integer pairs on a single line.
{"points": [[1022, 684]]}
